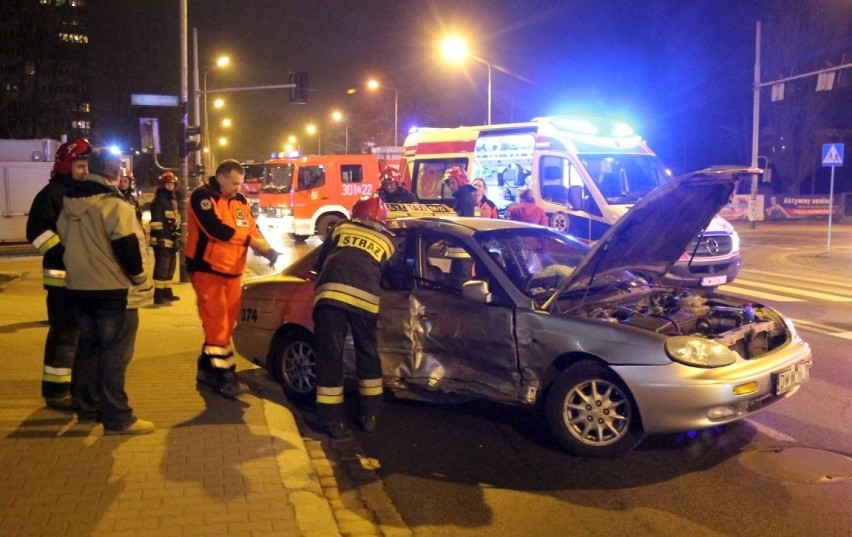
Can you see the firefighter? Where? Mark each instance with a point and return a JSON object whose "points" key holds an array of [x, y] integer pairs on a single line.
{"points": [[70, 165], [126, 187], [457, 181], [393, 190], [221, 229], [349, 269], [165, 237]]}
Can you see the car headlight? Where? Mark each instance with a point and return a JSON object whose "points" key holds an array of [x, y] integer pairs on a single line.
{"points": [[699, 352]]}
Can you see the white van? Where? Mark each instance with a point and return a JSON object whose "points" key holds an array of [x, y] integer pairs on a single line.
{"points": [[584, 172]]}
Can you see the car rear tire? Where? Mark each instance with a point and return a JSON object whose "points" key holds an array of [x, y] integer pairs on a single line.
{"points": [[326, 224], [294, 365], [591, 413]]}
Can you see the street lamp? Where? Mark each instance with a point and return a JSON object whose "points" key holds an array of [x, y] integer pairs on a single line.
{"points": [[455, 50], [312, 129], [223, 61], [338, 117], [373, 84]]}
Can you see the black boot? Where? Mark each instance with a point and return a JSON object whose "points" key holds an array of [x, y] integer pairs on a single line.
{"points": [[160, 297], [171, 294]]}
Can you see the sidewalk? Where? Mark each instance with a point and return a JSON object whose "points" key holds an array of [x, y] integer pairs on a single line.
{"points": [[212, 467]]}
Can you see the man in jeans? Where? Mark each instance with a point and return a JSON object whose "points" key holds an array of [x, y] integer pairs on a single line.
{"points": [[106, 278]]}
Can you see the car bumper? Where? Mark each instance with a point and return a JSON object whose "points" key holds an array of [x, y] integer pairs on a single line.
{"points": [[675, 397], [703, 273]]}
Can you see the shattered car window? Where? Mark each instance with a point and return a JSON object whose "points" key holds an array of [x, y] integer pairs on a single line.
{"points": [[537, 261]]}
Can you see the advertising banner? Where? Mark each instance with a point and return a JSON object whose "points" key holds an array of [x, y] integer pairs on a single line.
{"points": [[780, 207]]}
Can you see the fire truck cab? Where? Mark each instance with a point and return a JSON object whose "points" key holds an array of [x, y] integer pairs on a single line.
{"points": [[584, 172], [308, 195]]}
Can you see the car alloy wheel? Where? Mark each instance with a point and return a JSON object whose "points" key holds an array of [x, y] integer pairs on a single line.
{"points": [[295, 366]]}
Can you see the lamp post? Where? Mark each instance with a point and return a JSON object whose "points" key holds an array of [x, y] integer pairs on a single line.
{"points": [[455, 49], [338, 117], [373, 84], [221, 62]]}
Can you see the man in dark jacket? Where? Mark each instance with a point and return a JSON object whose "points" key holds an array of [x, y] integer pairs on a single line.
{"points": [[393, 190], [165, 237], [347, 298], [71, 165], [107, 281]]}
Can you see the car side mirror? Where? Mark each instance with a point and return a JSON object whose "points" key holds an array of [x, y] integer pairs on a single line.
{"points": [[476, 291]]}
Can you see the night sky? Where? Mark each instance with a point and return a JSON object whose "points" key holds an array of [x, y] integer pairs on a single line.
{"points": [[679, 71]]}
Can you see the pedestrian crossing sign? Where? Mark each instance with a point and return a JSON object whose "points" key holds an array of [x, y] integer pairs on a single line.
{"points": [[832, 155]]}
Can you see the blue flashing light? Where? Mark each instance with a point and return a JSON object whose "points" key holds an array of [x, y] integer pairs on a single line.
{"points": [[114, 150], [622, 130]]}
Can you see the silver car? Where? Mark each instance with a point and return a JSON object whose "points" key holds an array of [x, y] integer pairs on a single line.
{"points": [[524, 315]]}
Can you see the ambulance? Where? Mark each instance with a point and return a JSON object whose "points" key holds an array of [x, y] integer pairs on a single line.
{"points": [[584, 172], [307, 195]]}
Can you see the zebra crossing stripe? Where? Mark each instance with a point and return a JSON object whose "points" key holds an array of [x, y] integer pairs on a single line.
{"points": [[795, 291], [729, 288], [822, 329]]}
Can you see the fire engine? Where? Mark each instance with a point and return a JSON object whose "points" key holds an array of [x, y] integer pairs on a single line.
{"points": [[308, 195]]}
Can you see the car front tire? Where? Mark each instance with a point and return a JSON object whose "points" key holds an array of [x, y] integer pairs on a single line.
{"points": [[294, 365], [591, 413]]}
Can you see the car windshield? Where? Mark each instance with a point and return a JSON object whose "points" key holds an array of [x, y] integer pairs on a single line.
{"points": [[623, 179], [538, 261]]}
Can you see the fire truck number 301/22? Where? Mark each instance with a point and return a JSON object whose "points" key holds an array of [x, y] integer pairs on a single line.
{"points": [[354, 189]]}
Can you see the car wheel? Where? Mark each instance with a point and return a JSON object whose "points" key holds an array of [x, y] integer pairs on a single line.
{"points": [[299, 238], [326, 224], [559, 221], [294, 365], [591, 413]]}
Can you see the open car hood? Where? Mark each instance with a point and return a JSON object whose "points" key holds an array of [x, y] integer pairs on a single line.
{"points": [[655, 232]]}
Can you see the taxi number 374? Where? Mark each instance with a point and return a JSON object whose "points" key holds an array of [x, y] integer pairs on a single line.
{"points": [[248, 314]]}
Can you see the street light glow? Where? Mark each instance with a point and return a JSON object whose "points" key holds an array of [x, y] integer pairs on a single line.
{"points": [[454, 48], [223, 141], [219, 103], [223, 61], [373, 84], [226, 122], [311, 129]]}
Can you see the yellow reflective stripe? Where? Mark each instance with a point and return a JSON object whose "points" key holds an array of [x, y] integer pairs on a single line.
{"points": [[372, 242], [330, 395], [161, 284], [170, 215], [350, 290], [58, 375], [46, 241], [220, 363], [347, 299], [373, 390], [329, 399], [54, 282], [156, 226]]}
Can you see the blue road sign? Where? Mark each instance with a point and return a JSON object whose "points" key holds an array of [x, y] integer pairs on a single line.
{"points": [[832, 155]]}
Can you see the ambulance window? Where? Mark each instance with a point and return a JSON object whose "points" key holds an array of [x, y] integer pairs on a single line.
{"points": [[556, 175], [351, 173], [311, 177], [428, 175]]}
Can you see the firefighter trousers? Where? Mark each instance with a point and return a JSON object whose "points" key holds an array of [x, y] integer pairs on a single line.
{"points": [[60, 345], [330, 327], [165, 262]]}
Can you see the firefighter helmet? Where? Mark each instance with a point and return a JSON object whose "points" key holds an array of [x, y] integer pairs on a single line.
{"points": [[458, 174], [390, 175], [76, 149], [165, 178], [372, 208]]}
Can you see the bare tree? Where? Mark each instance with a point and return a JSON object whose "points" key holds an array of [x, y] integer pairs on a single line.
{"points": [[800, 37]]}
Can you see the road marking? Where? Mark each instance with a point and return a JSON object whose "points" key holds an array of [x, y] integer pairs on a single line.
{"points": [[794, 291], [757, 294], [809, 279], [778, 436], [822, 329]]}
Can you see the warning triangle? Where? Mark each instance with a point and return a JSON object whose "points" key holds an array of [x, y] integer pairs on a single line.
{"points": [[832, 157]]}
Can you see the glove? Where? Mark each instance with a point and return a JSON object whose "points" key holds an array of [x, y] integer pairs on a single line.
{"points": [[272, 256]]}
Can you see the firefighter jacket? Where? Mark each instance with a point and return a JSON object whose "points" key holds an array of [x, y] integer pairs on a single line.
{"points": [[350, 267], [106, 254], [400, 195], [165, 219], [219, 230], [41, 228]]}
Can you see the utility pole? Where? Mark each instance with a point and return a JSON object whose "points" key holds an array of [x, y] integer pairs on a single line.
{"points": [[184, 165]]}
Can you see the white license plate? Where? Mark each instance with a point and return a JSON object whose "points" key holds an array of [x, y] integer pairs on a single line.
{"points": [[713, 281], [791, 377]]}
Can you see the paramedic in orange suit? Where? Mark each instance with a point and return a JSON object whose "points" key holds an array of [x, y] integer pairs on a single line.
{"points": [[221, 229]]}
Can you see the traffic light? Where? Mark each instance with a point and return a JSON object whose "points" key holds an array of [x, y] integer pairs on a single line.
{"points": [[189, 139], [299, 91]]}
